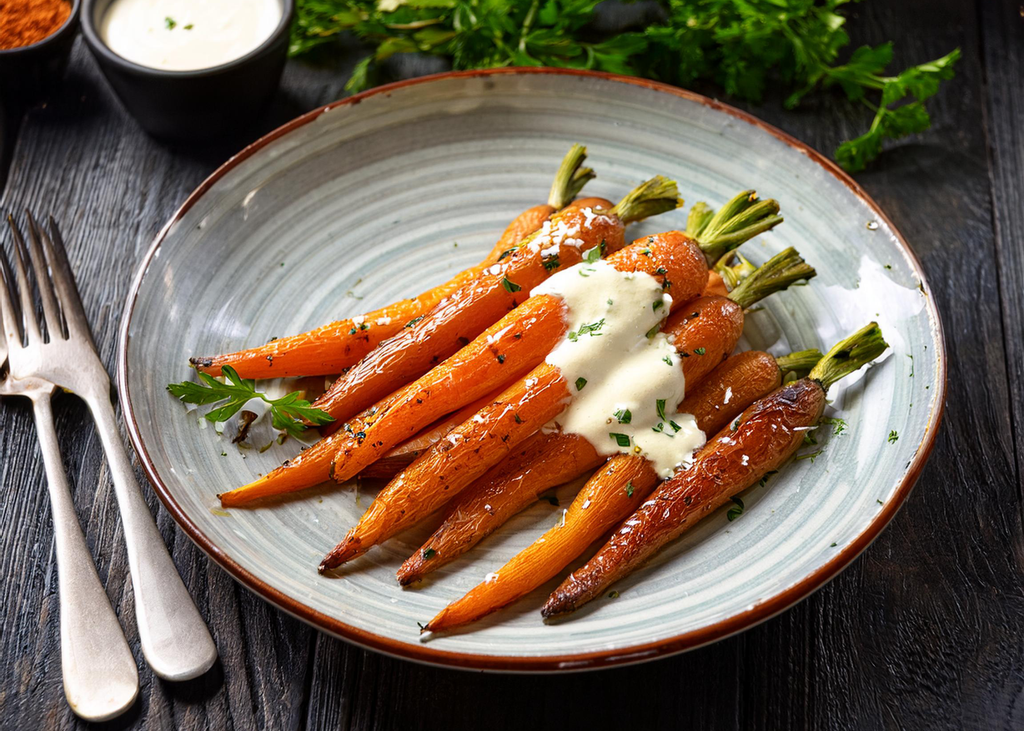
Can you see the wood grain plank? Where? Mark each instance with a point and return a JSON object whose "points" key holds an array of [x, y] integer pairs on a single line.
{"points": [[1002, 25]]}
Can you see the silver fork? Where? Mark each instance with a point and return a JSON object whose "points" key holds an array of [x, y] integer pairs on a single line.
{"points": [[100, 677], [174, 639]]}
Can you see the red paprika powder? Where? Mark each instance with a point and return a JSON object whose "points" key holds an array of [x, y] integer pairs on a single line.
{"points": [[24, 22]]}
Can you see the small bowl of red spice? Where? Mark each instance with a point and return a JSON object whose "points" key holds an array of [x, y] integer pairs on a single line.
{"points": [[35, 42]]}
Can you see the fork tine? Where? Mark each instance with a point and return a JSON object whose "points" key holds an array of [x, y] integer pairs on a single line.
{"points": [[64, 281], [28, 308], [51, 311], [10, 314]]}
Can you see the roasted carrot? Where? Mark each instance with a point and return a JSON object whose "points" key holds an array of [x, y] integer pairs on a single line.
{"points": [[760, 440], [473, 308], [452, 465], [591, 514], [505, 351], [738, 382], [547, 460], [405, 453], [330, 349], [454, 462]]}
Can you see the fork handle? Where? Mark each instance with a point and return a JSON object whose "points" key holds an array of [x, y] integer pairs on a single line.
{"points": [[100, 677], [174, 638]]}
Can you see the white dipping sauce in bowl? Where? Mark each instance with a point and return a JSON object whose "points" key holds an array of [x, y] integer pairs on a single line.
{"points": [[186, 35]]}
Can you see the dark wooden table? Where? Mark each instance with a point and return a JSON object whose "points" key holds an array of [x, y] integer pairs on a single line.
{"points": [[924, 631]]}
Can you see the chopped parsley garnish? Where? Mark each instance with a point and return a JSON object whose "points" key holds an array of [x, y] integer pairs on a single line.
{"points": [[170, 23], [645, 252], [911, 364], [585, 272], [414, 320], [674, 425], [429, 553], [668, 359], [580, 383], [591, 329], [654, 331], [658, 304], [735, 511], [286, 413], [629, 489], [624, 416], [509, 285], [501, 358], [507, 252], [661, 270], [809, 440], [594, 254], [764, 480], [810, 456], [620, 439], [893, 436], [879, 502], [660, 406], [613, 595], [188, 27], [838, 425], [700, 351], [551, 263], [519, 419], [832, 546]]}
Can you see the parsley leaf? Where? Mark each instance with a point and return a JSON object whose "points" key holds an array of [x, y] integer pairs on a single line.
{"points": [[509, 285], [286, 413], [735, 511], [620, 439]]}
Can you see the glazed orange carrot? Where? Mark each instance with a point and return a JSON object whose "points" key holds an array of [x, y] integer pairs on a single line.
{"points": [[405, 453], [547, 460], [330, 349], [591, 514], [505, 351], [760, 440], [476, 306], [454, 462]]}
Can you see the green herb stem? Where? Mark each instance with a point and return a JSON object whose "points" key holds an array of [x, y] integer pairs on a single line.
{"points": [[654, 196], [570, 178], [781, 271], [738, 221], [849, 355], [800, 362]]}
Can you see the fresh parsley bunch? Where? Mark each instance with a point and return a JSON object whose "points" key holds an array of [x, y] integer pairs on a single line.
{"points": [[742, 45], [286, 413]]}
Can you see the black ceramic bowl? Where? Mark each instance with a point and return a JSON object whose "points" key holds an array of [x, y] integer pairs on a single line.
{"points": [[31, 71], [192, 105]]}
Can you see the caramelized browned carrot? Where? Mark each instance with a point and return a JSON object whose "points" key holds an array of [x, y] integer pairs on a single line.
{"points": [[547, 460], [476, 306], [760, 440], [330, 349], [738, 382]]}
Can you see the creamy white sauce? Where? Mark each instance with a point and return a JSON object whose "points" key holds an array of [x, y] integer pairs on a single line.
{"points": [[185, 35], [623, 382]]}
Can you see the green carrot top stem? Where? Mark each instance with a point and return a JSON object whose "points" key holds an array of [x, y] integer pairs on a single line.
{"points": [[657, 195], [849, 355], [570, 178], [800, 362], [732, 273], [782, 270], [739, 220]]}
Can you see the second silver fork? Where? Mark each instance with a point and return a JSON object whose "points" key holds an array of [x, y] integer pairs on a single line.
{"points": [[174, 638]]}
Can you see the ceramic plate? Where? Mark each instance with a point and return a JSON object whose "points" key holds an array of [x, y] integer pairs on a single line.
{"points": [[374, 198]]}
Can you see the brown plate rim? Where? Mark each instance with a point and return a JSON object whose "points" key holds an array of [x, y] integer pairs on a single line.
{"points": [[561, 663]]}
